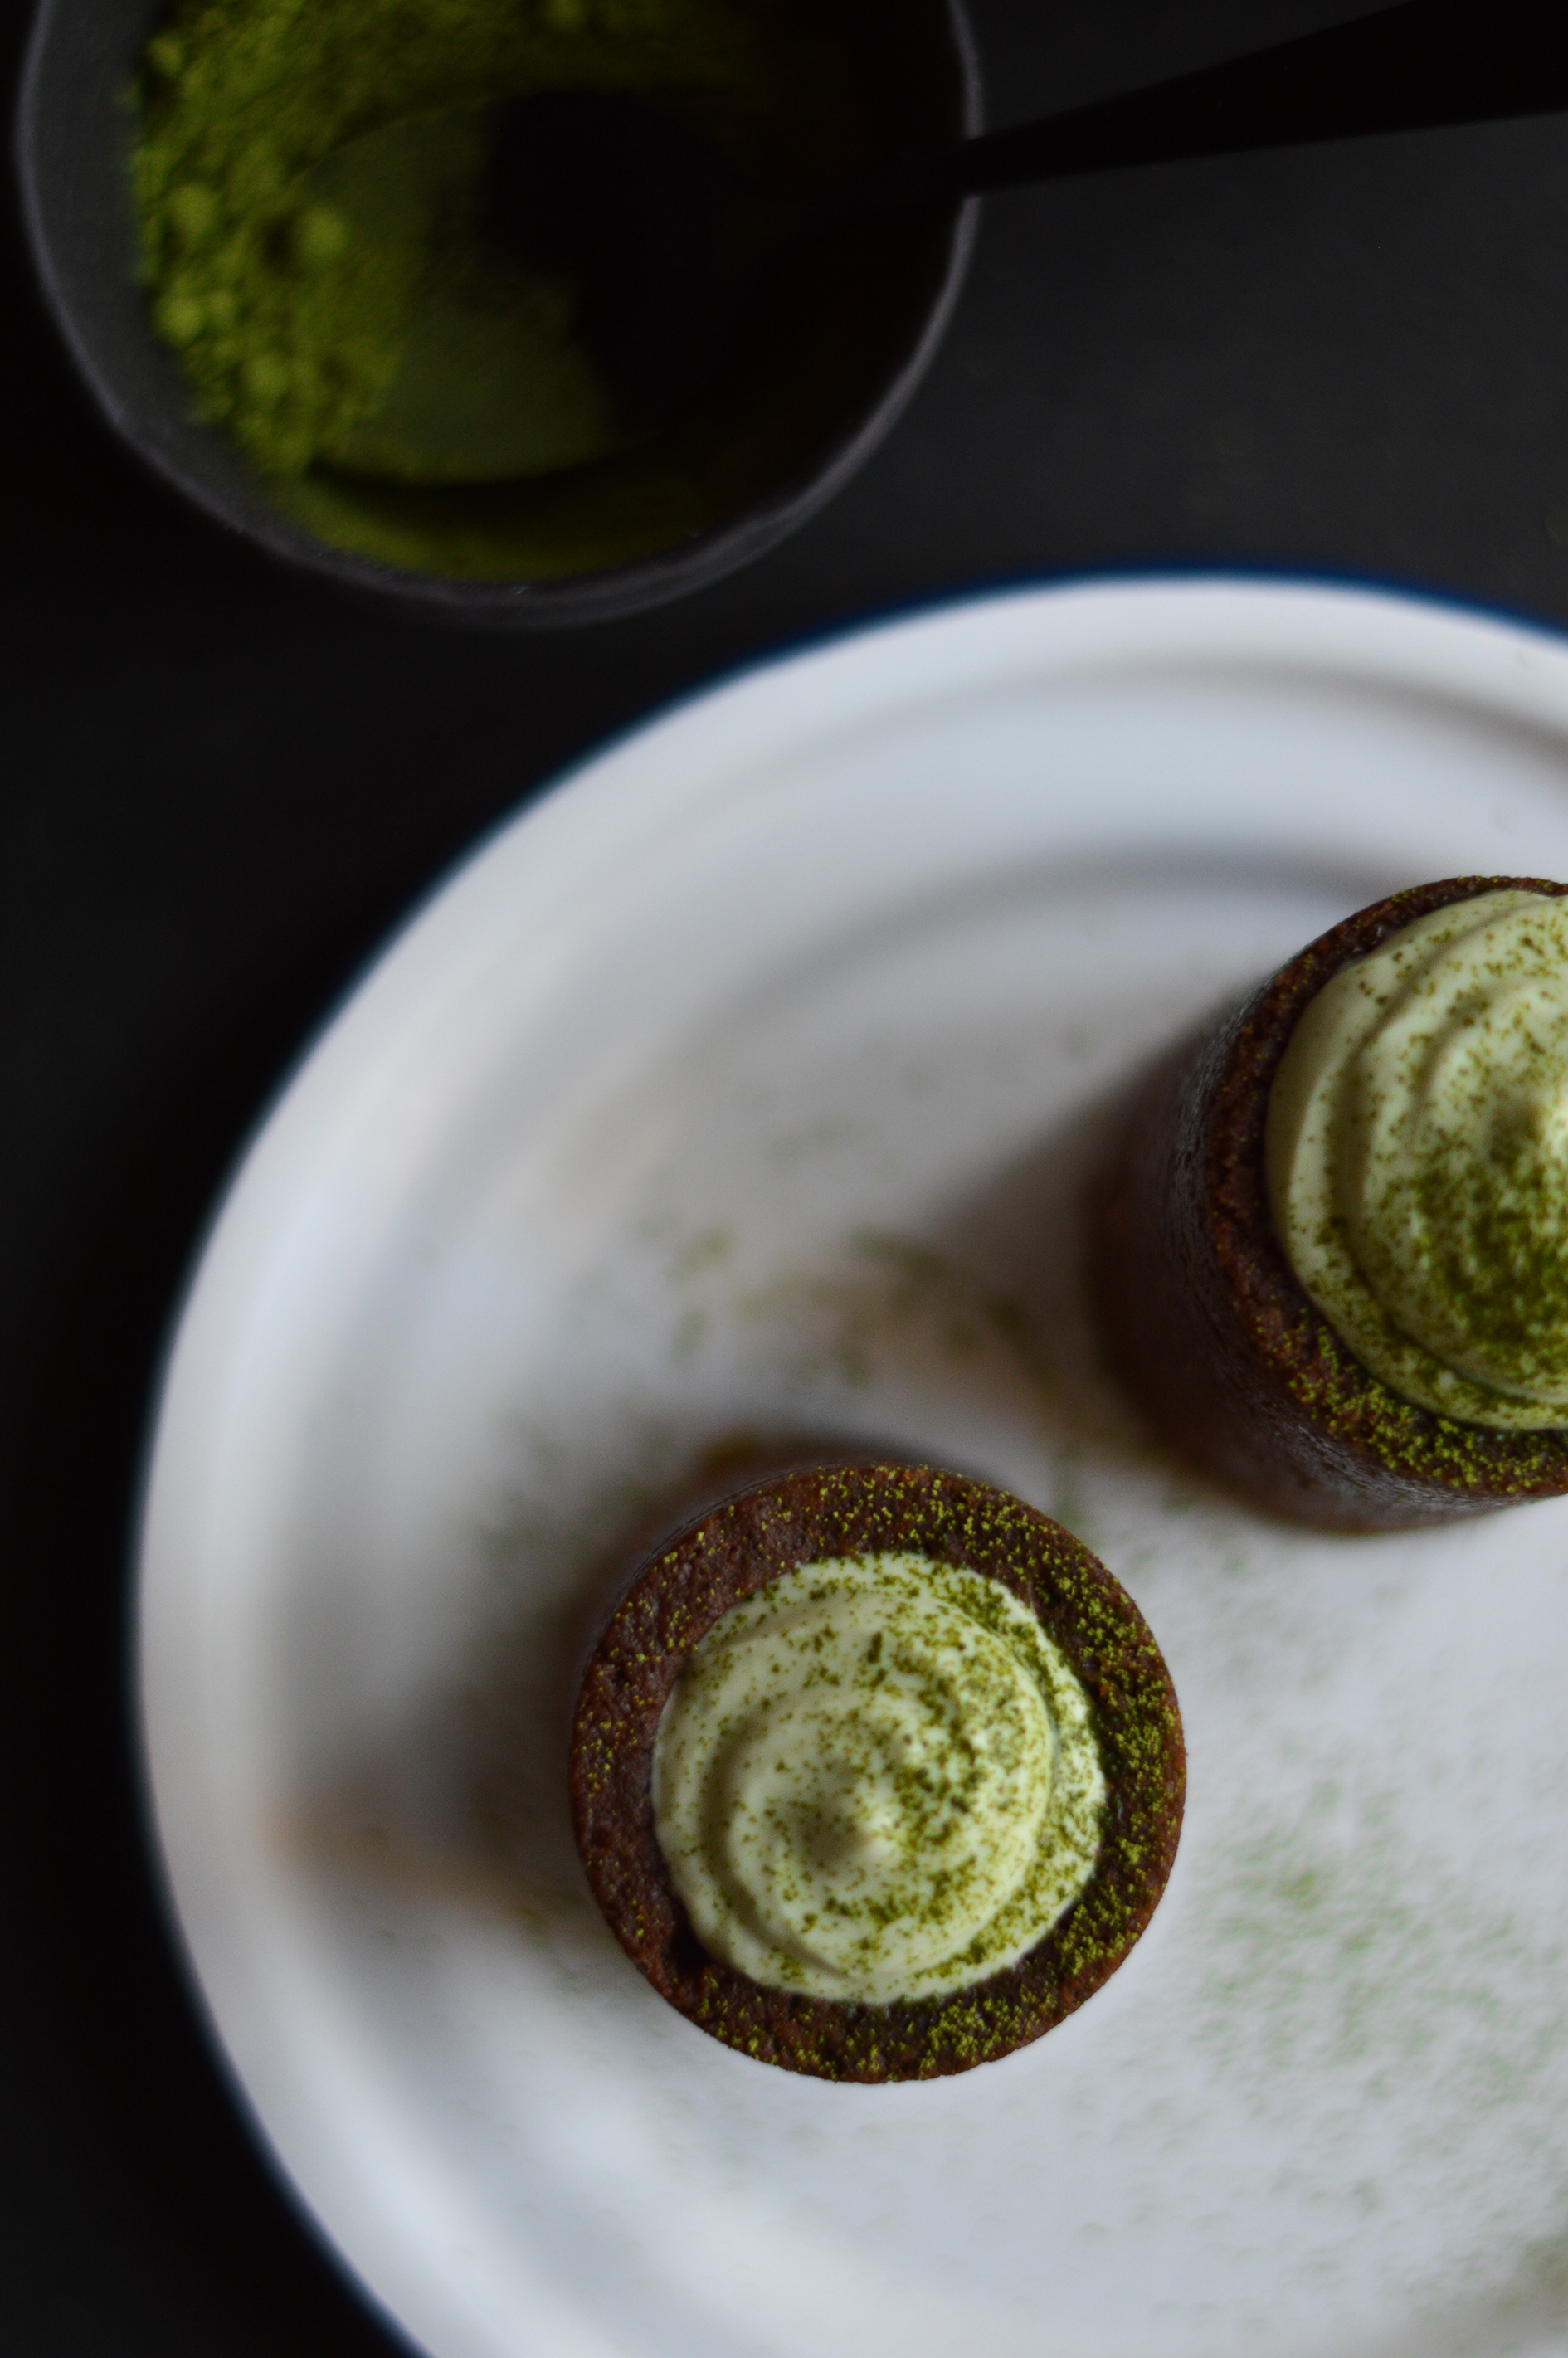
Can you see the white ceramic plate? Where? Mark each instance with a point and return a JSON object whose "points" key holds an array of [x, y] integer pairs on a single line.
{"points": [[747, 1082]]}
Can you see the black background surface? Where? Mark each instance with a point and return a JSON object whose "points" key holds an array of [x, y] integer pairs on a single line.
{"points": [[223, 786]]}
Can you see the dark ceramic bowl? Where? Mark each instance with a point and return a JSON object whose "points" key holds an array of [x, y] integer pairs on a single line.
{"points": [[824, 378]]}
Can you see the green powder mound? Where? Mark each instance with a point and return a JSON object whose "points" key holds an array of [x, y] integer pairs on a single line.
{"points": [[290, 309]]}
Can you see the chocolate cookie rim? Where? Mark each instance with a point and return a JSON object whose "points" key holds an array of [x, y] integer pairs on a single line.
{"points": [[730, 1552], [1300, 1345]]}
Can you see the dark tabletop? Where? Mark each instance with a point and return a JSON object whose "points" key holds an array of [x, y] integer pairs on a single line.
{"points": [[224, 786]]}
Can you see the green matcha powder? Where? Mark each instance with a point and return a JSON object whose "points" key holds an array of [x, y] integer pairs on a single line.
{"points": [[289, 307]]}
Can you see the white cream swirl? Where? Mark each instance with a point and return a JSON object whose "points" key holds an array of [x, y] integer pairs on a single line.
{"points": [[1418, 1159], [877, 1778]]}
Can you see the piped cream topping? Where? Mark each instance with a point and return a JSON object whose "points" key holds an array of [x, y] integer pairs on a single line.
{"points": [[1417, 1152], [877, 1778]]}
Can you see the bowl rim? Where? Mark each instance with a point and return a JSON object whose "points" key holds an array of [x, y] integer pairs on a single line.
{"points": [[606, 594]]}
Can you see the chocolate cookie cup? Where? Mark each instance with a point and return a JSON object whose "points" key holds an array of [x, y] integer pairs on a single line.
{"points": [[1206, 1321], [867, 1514]]}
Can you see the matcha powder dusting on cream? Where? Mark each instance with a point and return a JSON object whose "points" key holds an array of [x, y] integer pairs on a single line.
{"points": [[288, 286], [877, 1778], [1418, 1158]]}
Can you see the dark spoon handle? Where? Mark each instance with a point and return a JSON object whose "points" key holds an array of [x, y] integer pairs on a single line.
{"points": [[1418, 65]]}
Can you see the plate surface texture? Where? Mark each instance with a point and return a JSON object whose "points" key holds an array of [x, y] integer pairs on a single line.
{"points": [[746, 1085]]}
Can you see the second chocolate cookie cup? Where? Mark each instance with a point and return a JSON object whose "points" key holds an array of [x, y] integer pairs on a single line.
{"points": [[1206, 1321]]}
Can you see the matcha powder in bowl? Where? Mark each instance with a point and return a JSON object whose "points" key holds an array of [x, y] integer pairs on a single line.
{"points": [[289, 311], [276, 289]]}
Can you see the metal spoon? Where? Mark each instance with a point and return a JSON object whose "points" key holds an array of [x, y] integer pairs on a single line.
{"points": [[668, 251]]}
